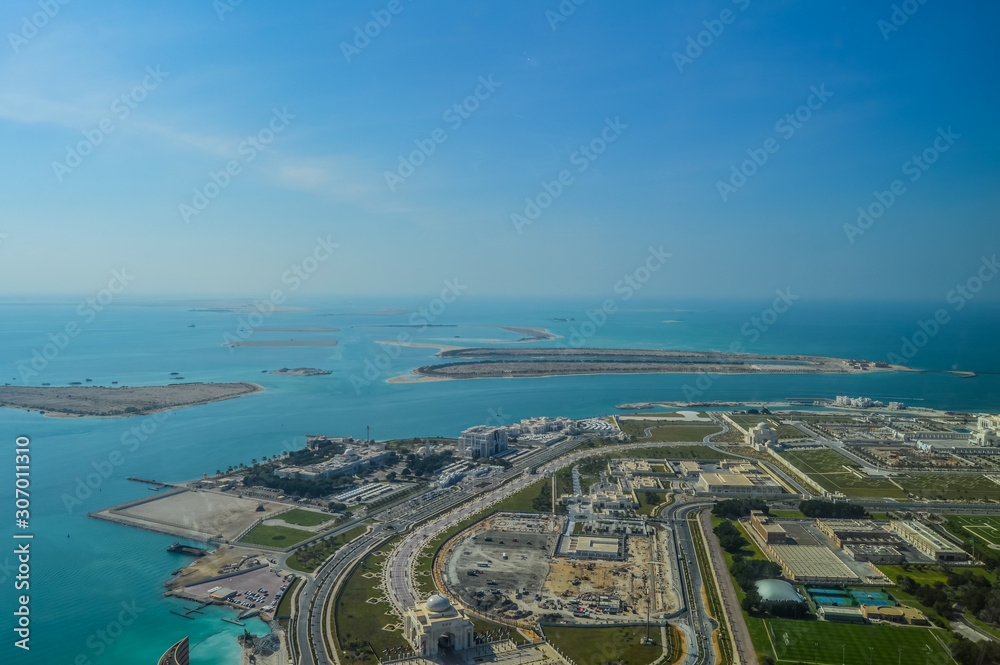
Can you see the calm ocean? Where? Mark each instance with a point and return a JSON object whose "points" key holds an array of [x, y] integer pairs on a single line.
{"points": [[87, 575]]}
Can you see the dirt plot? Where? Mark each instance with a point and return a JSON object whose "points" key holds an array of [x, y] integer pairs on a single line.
{"points": [[205, 512], [545, 582]]}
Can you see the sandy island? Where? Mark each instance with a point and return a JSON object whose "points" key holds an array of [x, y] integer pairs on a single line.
{"points": [[121, 401], [303, 329], [476, 363], [285, 342], [301, 371], [530, 334]]}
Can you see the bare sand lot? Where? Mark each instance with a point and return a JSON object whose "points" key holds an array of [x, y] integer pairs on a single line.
{"points": [[284, 342], [118, 401], [193, 512]]}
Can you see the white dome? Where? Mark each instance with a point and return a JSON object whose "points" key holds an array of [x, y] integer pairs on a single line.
{"points": [[763, 426], [438, 603]]}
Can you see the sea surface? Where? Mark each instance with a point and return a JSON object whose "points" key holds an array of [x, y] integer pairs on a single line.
{"points": [[95, 594]]}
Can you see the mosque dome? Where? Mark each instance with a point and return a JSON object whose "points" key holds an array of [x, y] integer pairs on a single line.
{"points": [[438, 603]]}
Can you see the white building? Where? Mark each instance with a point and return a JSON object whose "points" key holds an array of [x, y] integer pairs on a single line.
{"points": [[989, 431], [762, 435], [435, 625], [350, 463], [482, 441]]}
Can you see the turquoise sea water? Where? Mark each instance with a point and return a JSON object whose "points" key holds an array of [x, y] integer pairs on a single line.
{"points": [[85, 573]]}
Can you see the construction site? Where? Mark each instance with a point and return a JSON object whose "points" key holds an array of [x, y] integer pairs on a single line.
{"points": [[513, 568]]}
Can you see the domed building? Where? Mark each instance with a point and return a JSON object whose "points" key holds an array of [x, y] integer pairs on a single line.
{"points": [[435, 625], [778, 591]]}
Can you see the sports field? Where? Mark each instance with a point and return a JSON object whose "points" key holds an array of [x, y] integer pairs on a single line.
{"points": [[827, 643], [832, 471], [984, 527]]}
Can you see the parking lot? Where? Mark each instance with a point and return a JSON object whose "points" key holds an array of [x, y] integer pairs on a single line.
{"points": [[255, 589]]}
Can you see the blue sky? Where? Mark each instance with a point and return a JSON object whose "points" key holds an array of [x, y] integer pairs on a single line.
{"points": [[551, 91]]}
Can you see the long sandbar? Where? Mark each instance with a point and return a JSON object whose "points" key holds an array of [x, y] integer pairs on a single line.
{"points": [[118, 401], [477, 363]]}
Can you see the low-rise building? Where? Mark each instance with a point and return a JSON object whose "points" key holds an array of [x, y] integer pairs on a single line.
{"points": [[772, 532], [874, 553], [811, 563], [844, 531], [928, 541], [899, 614], [738, 480], [349, 463]]}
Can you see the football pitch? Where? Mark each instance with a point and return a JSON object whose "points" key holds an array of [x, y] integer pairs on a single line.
{"points": [[826, 643], [984, 527]]}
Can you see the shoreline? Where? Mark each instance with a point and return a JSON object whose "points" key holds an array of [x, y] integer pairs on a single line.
{"points": [[119, 401]]}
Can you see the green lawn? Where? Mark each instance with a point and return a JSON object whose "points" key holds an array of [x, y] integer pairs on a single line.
{"points": [[827, 467], [275, 536], [359, 622], [666, 433], [958, 486], [983, 527], [589, 646], [646, 507], [305, 517], [786, 513], [284, 610], [309, 558], [827, 643]]}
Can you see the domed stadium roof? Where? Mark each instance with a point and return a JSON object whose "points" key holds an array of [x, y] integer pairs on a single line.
{"points": [[777, 590], [438, 603]]}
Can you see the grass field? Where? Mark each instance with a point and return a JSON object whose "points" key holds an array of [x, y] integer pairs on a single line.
{"points": [[305, 517], [827, 643], [952, 486], [827, 467], [984, 527], [275, 536], [587, 646], [667, 433]]}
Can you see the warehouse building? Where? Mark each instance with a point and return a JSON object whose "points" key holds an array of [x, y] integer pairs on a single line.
{"points": [[843, 532], [772, 532], [811, 563], [928, 541]]}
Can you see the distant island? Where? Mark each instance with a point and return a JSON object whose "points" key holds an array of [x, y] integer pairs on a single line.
{"points": [[285, 342], [538, 362], [121, 401], [301, 371], [303, 329]]}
